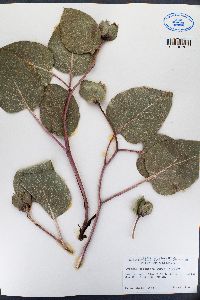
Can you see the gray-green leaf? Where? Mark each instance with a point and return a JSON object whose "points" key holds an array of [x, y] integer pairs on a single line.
{"points": [[79, 31], [147, 145], [51, 110], [92, 91], [175, 164], [138, 113], [15, 73], [41, 184], [62, 56], [34, 55]]}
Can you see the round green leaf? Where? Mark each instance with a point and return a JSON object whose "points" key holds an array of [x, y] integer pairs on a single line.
{"points": [[44, 186], [16, 76], [36, 56], [175, 164], [79, 31], [62, 56], [138, 113], [51, 110]]}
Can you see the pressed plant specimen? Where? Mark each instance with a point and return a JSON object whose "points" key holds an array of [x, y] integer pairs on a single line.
{"points": [[137, 114], [141, 209]]}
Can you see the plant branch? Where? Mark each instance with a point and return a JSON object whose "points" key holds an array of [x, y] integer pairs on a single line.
{"points": [[101, 202], [135, 225], [131, 151], [66, 148], [60, 79], [60, 241], [86, 222], [65, 244], [128, 188], [147, 179], [83, 252], [70, 156], [114, 137]]}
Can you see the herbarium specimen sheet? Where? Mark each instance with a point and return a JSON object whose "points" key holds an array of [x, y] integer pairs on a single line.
{"points": [[99, 143]]}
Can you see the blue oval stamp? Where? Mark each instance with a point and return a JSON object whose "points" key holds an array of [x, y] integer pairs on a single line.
{"points": [[178, 22]]}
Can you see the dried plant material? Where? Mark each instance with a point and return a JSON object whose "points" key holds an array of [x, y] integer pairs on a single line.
{"points": [[79, 31], [147, 145], [62, 56], [34, 55], [22, 200], [138, 113], [14, 71], [51, 110], [108, 31], [92, 91], [180, 161], [142, 208], [41, 184]]}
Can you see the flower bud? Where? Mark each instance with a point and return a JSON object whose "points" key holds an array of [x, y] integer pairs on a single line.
{"points": [[108, 31], [93, 91], [143, 207]]}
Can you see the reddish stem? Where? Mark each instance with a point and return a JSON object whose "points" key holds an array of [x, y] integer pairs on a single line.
{"points": [[100, 203], [147, 179], [81, 257], [125, 190], [70, 156], [60, 79], [134, 228], [131, 151], [71, 159], [87, 221], [59, 240]]}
